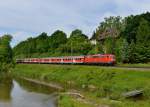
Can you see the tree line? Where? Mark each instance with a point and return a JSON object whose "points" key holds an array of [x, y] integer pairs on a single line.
{"points": [[55, 45]]}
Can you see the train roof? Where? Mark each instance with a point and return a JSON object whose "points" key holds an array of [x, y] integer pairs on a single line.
{"points": [[100, 55], [58, 57]]}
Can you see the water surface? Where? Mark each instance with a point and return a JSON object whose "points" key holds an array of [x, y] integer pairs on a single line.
{"points": [[21, 93]]}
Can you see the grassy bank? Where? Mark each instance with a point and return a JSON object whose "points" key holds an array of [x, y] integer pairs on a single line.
{"points": [[102, 85]]}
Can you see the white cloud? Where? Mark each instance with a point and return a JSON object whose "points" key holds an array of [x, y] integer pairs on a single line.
{"points": [[30, 17]]}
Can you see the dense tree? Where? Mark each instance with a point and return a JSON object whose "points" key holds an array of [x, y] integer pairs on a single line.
{"points": [[57, 39], [137, 35], [6, 55], [110, 27], [127, 38], [55, 45], [42, 43], [143, 32], [96, 49], [143, 41], [78, 43], [124, 52], [132, 24], [5, 49], [107, 33], [119, 50]]}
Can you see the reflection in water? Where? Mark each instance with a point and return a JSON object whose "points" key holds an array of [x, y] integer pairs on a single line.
{"points": [[37, 87], [20, 93], [6, 85]]}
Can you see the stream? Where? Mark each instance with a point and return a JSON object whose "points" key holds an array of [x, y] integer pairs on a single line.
{"points": [[22, 93]]}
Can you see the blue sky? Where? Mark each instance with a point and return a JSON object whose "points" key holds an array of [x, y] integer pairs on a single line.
{"points": [[25, 18]]}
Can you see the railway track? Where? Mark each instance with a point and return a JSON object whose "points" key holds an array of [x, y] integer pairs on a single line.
{"points": [[131, 68]]}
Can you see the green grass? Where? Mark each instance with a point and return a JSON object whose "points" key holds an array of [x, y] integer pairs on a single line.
{"points": [[101, 84], [67, 101]]}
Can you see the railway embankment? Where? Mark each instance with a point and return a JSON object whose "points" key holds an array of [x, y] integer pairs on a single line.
{"points": [[99, 86]]}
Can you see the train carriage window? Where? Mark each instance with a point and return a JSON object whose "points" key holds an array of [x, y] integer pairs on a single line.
{"points": [[96, 56], [78, 58], [111, 56], [104, 56]]}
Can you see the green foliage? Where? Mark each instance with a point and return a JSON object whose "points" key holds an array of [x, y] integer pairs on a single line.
{"points": [[119, 49], [5, 53], [41, 46], [55, 45], [67, 101], [132, 26], [110, 27], [139, 46], [143, 32], [78, 43], [96, 49], [109, 45], [124, 51], [41, 43], [143, 41], [57, 39], [108, 34], [128, 38], [32, 45]]}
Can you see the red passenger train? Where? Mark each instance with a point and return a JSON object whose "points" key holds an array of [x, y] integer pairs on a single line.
{"points": [[103, 59]]}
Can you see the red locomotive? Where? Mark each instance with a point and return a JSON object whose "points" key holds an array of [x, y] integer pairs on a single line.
{"points": [[103, 59]]}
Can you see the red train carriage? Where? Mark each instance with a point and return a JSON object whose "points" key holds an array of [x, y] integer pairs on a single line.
{"points": [[73, 59], [89, 59]]}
